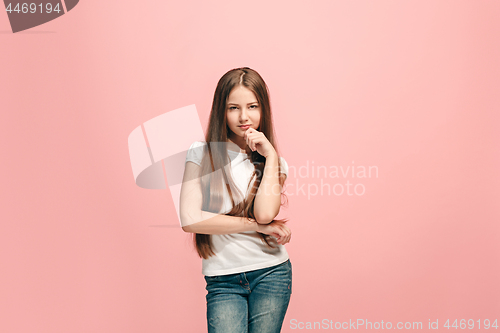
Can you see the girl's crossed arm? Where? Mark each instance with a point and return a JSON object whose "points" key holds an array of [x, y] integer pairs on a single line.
{"points": [[196, 220], [268, 197]]}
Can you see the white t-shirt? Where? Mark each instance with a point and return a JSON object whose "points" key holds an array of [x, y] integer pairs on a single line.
{"points": [[244, 251]]}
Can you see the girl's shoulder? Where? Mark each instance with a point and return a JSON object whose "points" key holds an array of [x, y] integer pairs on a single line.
{"points": [[197, 144], [195, 152], [284, 166]]}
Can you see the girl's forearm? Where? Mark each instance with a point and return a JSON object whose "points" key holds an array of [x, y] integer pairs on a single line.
{"points": [[217, 224], [268, 197]]}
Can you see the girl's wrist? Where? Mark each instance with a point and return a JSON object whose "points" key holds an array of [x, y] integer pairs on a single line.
{"points": [[258, 227], [252, 224], [272, 154]]}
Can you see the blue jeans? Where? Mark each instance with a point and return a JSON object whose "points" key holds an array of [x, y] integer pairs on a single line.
{"points": [[254, 301]]}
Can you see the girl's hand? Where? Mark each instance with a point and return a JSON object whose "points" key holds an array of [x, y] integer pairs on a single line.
{"points": [[277, 229], [257, 141]]}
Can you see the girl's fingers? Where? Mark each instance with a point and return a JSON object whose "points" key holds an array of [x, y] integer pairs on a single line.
{"points": [[280, 232], [285, 229], [286, 234], [287, 239], [253, 137], [251, 143]]}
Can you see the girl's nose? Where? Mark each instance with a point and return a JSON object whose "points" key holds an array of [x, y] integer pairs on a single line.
{"points": [[244, 114]]}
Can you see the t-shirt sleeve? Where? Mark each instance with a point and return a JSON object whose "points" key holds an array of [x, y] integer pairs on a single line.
{"points": [[284, 166], [195, 152]]}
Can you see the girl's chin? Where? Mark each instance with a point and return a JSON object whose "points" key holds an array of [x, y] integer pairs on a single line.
{"points": [[240, 133]]}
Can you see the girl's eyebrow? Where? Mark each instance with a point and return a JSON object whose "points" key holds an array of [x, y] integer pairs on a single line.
{"points": [[238, 104]]}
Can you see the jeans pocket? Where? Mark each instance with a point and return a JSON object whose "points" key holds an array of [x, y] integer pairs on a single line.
{"points": [[220, 278], [210, 280], [286, 266]]}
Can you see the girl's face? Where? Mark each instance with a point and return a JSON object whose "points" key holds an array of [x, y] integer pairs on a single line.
{"points": [[242, 108]]}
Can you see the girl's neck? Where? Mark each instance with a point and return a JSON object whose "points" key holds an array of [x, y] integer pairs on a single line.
{"points": [[240, 142]]}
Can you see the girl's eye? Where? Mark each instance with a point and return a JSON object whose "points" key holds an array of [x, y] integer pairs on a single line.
{"points": [[253, 106], [232, 107]]}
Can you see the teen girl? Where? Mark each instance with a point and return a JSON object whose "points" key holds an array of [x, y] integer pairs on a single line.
{"points": [[230, 195]]}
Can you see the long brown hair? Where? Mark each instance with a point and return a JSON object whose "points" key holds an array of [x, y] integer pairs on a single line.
{"points": [[217, 157]]}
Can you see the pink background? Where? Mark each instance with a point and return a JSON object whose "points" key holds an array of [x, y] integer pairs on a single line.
{"points": [[411, 87]]}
